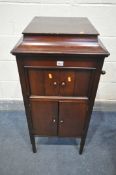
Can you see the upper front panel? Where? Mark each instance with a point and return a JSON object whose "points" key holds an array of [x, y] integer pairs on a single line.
{"points": [[59, 77], [60, 82]]}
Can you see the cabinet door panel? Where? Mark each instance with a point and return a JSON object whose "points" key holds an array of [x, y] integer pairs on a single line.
{"points": [[76, 82], [44, 117], [83, 82], [72, 117], [36, 81], [43, 82], [51, 82], [67, 83]]}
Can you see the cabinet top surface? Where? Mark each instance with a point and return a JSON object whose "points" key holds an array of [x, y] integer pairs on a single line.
{"points": [[60, 25]]}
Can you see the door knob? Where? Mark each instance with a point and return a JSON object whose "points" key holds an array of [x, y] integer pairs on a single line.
{"points": [[54, 83], [54, 120], [63, 83], [61, 121]]}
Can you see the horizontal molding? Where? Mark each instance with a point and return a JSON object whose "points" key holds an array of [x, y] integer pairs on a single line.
{"points": [[18, 36], [7, 43], [17, 105]]}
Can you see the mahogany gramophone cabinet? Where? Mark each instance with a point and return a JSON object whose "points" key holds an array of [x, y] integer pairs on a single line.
{"points": [[59, 62]]}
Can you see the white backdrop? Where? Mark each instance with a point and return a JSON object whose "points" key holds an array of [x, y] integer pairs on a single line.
{"points": [[16, 14]]}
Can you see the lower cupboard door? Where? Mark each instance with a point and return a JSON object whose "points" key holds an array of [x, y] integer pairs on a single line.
{"points": [[72, 116], [44, 117]]}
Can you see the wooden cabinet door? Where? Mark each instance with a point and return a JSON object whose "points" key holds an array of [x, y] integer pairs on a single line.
{"points": [[44, 117], [72, 116], [51, 82], [76, 82], [66, 82], [43, 82]]}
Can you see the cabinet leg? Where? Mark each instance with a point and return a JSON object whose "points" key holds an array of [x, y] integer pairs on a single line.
{"points": [[82, 145], [84, 135], [34, 148], [32, 138], [83, 138]]}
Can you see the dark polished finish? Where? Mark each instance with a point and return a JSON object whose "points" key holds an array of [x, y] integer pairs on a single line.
{"points": [[53, 25], [60, 62]]}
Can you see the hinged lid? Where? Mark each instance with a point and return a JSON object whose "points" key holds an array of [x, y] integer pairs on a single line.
{"points": [[60, 26], [67, 35]]}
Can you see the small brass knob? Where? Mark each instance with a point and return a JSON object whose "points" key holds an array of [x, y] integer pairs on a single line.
{"points": [[55, 83], [54, 120], [63, 83], [61, 121]]}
